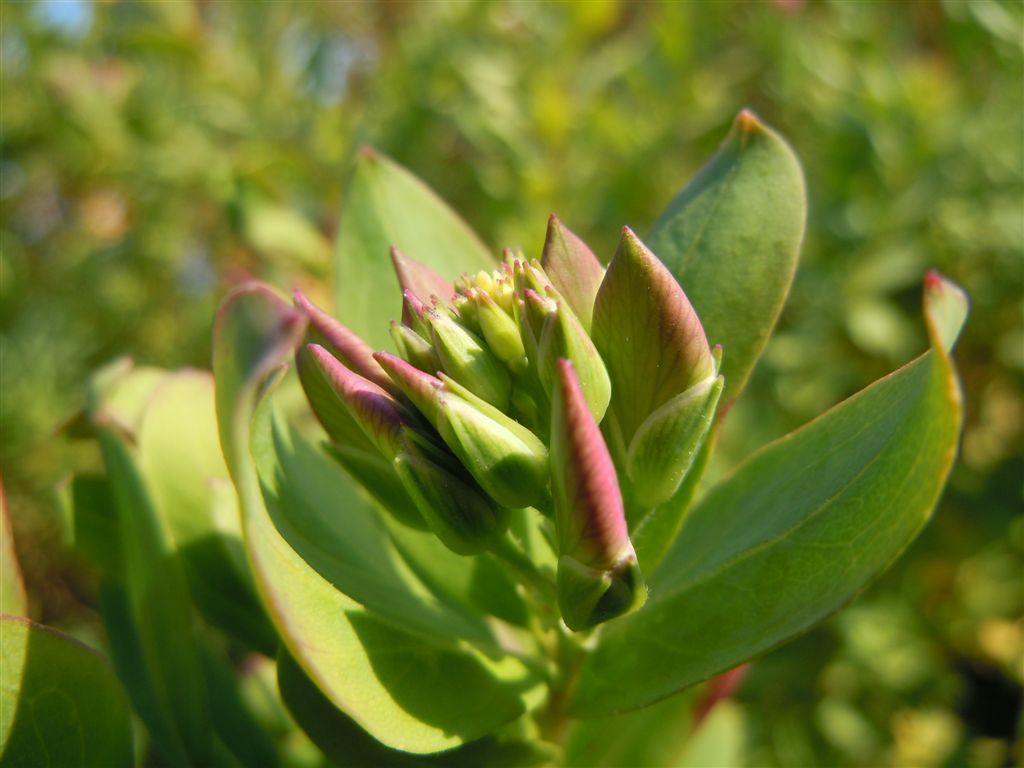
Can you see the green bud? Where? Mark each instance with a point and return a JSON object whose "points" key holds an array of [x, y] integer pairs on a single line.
{"points": [[573, 269], [460, 515], [499, 330], [551, 331], [413, 348], [466, 358], [507, 460]]}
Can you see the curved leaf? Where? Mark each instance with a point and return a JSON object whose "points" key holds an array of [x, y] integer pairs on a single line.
{"points": [[732, 237], [387, 206], [405, 690], [794, 534], [60, 703]]}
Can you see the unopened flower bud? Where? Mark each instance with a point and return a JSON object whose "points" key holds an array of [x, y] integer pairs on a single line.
{"points": [[418, 278], [598, 574], [381, 417], [649, 336], [467, 359], [499, 330], [413, 348], [464, 518], [508, 461], [572, 268]]}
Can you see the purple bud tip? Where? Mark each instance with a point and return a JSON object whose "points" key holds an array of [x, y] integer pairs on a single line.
{"points": [[417, 277], [347, 346], [414, 304], [379, 414], [423, 389]]}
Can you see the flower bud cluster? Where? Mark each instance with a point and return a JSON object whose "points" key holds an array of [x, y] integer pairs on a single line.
{"points": [[498, 396]]}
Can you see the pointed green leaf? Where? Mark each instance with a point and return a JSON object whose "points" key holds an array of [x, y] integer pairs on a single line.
{"points": [[794, 534], [387, 206], [732, 237], [60, 703], [411, 691], [12, 587]]}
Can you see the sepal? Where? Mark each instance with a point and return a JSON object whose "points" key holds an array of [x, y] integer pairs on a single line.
{"points": [[665, 445]]}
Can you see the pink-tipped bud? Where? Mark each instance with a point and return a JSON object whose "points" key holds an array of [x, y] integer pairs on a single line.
{"points": [[380, 416], [418, 278], [598, 574], [352, 351]]}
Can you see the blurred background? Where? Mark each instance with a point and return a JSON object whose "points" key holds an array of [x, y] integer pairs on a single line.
{"points": [[152, 154]]}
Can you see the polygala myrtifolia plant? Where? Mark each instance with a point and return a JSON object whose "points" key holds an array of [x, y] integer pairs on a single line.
{"points": [[497, 532]]}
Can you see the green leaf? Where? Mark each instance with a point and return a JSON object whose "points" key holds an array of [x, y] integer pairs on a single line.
{"points": [[184, 470], [60, 703], [793, 535], [387, 206], [717, 741], [95, 523], [346, 744], [157, 613], [12, 587], [651, 737], [118, 393], [732, 237], [339, 534], [411, 693], [233, 719]]}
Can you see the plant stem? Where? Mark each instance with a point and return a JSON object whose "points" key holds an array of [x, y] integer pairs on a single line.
{"points": [[523, 567]]}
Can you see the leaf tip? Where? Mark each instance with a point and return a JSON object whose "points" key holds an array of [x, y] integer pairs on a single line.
{"points": [[945, 309]]}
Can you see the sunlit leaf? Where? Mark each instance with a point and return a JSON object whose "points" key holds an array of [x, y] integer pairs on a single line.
{"points": [[794, 534]]}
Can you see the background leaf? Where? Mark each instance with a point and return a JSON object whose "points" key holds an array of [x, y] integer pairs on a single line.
{"points": [[794, 534], [154, 643], [387, 206], [181, 460], [732, 237], [60, 703], [12, 587]]}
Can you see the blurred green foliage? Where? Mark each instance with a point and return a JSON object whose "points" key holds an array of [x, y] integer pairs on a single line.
{"points": [[154, 153]]}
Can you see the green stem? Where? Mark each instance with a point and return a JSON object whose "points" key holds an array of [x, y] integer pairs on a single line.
{"points": [[523, 567]]}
